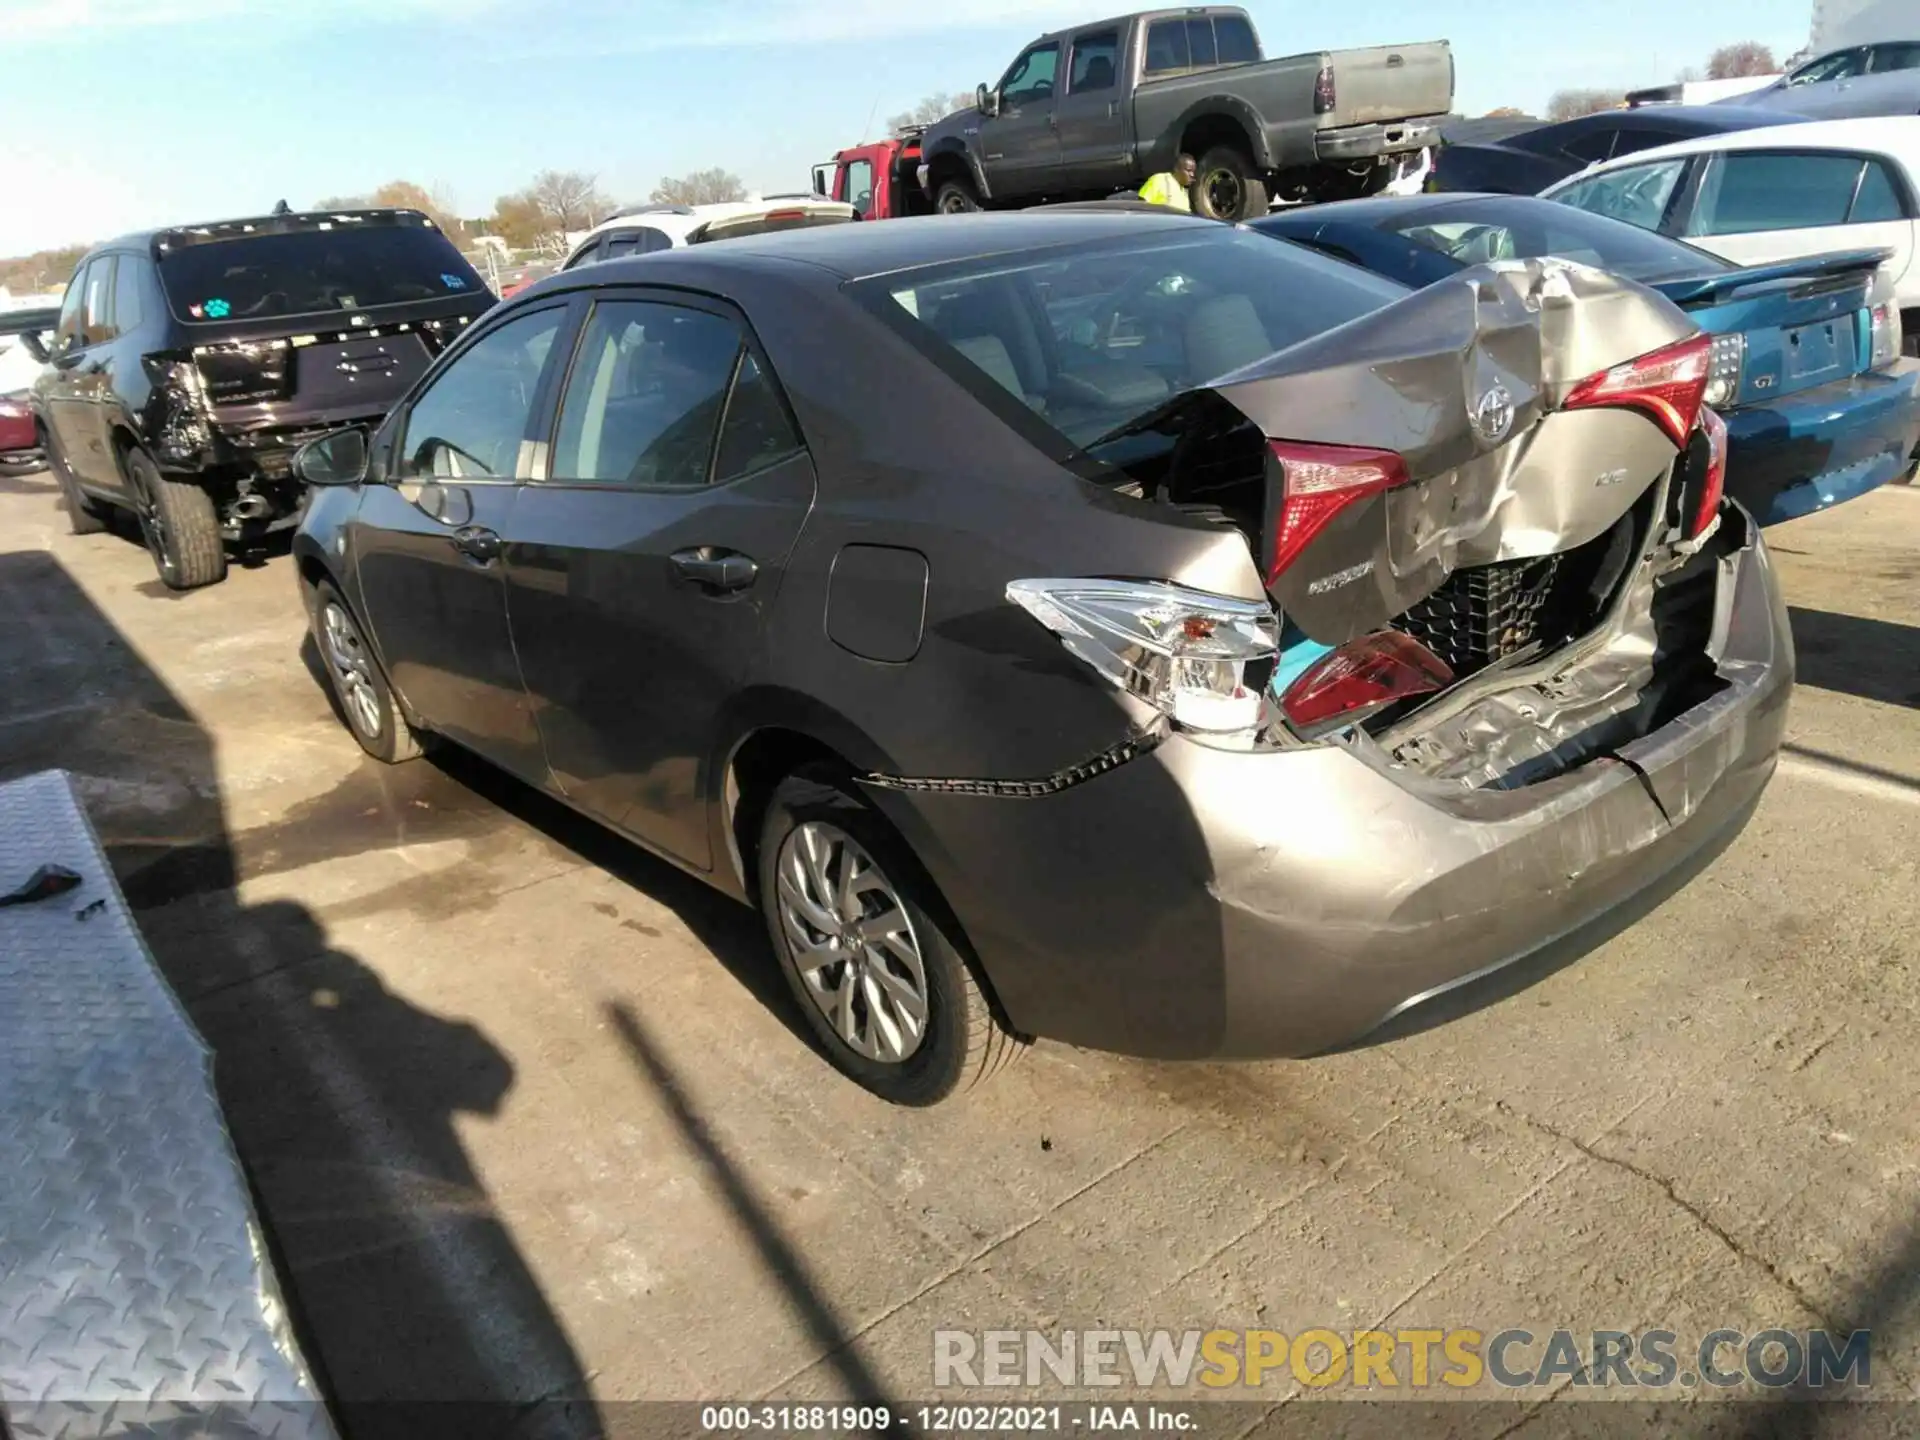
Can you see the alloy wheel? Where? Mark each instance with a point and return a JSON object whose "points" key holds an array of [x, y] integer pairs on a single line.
{"points": [[153, 525], [852, 942], [352, 669]]}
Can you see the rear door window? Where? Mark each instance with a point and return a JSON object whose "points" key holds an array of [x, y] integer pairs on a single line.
{"points": [[1904, 56], [1879, 198], [1095, 63], [1636, 194], [1747, 192], [470, 422], [348, 265]]}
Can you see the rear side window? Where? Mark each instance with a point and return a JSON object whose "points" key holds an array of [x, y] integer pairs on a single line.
{"points": [[97, 324], [1474, 232], [1095, 62], [1746, 192], [471, 420], [1233, 40], [1594, 145], [667, 397], [350, 265], [1878, 200], [1636, 194], [1896, 57], [1632, 142], [127, 287]]}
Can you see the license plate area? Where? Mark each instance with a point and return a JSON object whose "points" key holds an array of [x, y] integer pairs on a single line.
{"points": [[1815, 351]]}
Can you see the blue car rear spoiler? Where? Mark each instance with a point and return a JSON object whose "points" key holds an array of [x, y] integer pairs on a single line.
{"points": [[1716, 288]]}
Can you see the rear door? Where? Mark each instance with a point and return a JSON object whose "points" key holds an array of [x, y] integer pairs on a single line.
{"points": [[1094, 144], [429, 542], [1757, 206], [1021, 145], [89, 378], [58, 388], [641, 564]]}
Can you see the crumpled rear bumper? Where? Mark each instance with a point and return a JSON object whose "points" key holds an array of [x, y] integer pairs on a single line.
{"points": [[1197, 903]]}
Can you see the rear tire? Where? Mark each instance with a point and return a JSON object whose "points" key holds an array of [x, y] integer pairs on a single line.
{"points": [[1228, 186], [365, 699], [955, 197], [179, 524], [84, 516], [861, 991]]}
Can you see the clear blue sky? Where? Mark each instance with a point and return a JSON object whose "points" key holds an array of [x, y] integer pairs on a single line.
{"points": [[119, 114]]}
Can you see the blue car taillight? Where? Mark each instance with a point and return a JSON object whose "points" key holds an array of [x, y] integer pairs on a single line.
{"points": [[1726, 366], [1887, 335]]}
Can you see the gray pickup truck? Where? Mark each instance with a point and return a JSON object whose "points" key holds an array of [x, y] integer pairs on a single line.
{"points": [[1085, 112]]}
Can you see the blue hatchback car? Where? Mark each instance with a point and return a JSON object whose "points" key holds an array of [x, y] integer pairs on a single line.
{"points": [[1808, 373]]}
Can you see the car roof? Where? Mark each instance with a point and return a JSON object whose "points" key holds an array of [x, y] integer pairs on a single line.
{"points": [[878, 247], [296, 221], [1380, 211], [1895, 135]]}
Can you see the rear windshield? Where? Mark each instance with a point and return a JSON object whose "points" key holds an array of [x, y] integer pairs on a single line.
{"points": [[306, 272], [1482, 230], [1090, 339]]}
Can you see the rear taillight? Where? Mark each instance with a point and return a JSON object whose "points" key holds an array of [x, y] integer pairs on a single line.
{"points": [[785, 217], [1203, 660], [1725, 369], [1888, 336], [1317, 482], [1668, 386], [1710, 493], [1361, 678], [1323, 94]]}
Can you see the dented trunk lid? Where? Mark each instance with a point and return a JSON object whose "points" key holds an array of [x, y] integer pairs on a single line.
{"points": [[1463, 382]]}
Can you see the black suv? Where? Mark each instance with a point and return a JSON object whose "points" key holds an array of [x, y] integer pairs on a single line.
{"points": [[188, 364]]}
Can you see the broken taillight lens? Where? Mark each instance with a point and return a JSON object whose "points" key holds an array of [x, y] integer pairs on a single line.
{"points": [[1710, 493], [1317, 482], [1185, 652], [1362, 677], [1886, 335], [1668, 386]]}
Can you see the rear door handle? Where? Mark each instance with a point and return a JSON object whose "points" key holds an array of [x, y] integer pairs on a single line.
{"points": [[716, 570], [477, 542]]}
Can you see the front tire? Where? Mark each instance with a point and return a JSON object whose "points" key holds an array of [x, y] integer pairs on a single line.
{"points": [[179, 524], [1228, 187], [881, 981], [955, 197], [365, 699]]}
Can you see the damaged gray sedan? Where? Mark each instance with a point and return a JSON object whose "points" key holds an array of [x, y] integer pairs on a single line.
{"points": [[1118, 629]]}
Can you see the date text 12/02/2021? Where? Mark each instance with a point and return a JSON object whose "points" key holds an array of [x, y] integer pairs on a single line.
{"points": [[852, 1420]]}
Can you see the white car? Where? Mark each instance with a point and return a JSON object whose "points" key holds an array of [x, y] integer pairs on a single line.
{"points": [[1756, 196], [667, 227]]}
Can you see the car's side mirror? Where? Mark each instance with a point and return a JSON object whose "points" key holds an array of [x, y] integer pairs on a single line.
{"points": [[34, 345], [336, 459], [986, 101]]}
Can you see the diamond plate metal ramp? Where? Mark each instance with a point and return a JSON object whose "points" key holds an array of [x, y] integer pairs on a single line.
{"points": [[136, 1295]]}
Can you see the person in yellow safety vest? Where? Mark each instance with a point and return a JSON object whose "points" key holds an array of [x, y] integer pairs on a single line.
{"points": [[1170, 187]]}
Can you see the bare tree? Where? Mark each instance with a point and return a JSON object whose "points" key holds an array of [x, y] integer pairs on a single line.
{"points": [[1733, 62], [702, 187], [1571, 104], [934, 107], [569, 199], [436, 203], [1505, 112], [519, 220]]}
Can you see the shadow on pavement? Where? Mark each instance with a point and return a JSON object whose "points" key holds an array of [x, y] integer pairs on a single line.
{"points": [[1874, 659], [342, 1097]]}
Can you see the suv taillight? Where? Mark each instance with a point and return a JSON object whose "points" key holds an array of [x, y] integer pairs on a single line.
{"points": [[1668, 386], [1710, 493], [178, 408], [1317, 482], [1887, 335], [1323, 93]]}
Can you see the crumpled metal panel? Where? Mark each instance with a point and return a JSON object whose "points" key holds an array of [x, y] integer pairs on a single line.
{"points": [[136, 1295]]}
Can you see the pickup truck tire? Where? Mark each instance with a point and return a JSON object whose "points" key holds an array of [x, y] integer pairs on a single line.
{"points": [[955, 197], [1228, 186], [179, 524]]}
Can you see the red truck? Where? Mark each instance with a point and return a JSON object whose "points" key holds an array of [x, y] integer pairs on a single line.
{"points": [[879, 180]]}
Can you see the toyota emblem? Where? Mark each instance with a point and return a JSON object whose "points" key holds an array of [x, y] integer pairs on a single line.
{"points": [[1493, 414]]}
